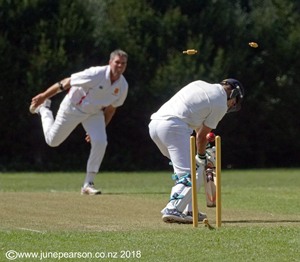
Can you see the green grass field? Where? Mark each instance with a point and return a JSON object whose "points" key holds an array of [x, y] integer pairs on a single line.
{"points": [[45, 214]]}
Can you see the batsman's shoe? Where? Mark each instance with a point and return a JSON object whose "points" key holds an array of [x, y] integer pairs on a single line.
{"points": [[174, 216], [36, 110], [201, 216], [90, 190]]}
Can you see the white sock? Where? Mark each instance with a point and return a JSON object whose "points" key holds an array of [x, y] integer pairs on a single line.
{"points": [[90, 176]]}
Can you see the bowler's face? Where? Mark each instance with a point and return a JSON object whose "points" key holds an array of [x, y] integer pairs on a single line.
{"points": [[118, 65]]}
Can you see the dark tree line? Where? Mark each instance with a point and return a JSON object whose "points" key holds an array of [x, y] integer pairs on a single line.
{"points": [[42, 42]]}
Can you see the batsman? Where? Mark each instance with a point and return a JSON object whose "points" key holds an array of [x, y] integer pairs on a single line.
{"points": [[199, 107]]}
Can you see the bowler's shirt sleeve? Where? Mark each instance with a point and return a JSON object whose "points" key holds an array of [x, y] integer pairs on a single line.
{"points": [[88, 78]]}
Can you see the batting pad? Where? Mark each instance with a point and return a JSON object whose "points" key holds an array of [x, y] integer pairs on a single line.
{"points": [[186, 195]]}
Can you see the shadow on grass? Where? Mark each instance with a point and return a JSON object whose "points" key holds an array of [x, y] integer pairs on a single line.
{"points": [[261, 221], [136, 193]]}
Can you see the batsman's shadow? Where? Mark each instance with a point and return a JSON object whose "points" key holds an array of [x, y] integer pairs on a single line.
{"points": [[260, 221], [136, 193]]}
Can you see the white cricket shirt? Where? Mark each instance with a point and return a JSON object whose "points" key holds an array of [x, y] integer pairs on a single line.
{"points": [[196, 104], [92, 90]]}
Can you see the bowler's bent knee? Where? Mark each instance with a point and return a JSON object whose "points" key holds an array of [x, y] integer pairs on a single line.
{"points": [[97, 144]]}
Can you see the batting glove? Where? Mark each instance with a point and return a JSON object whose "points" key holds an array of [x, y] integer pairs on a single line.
{"points": [[211, 156], [201, 160]]}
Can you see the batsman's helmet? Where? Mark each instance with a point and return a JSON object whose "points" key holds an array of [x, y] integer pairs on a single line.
{"points": [[236, 92]]}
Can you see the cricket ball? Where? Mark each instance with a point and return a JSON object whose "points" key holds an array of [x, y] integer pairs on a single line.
{"points": [[210, 137]]}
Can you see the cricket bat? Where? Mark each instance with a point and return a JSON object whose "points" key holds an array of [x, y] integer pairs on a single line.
{"points": [[209, 178]]}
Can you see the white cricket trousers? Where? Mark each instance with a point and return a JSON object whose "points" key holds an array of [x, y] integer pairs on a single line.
{"points": [[172, 137], [67, 118]]}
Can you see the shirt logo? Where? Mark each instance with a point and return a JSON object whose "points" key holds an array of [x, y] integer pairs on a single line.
{"points": [[116, 91]]}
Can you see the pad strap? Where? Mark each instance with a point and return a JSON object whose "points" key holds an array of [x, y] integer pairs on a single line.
{"points": [[175, 197], [174, 177], [186, 180]]}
